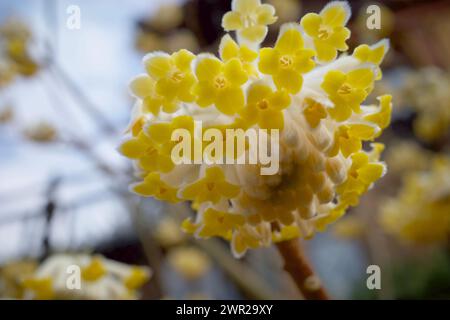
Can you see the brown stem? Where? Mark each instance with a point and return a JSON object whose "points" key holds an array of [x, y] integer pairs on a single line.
{"points": [[297, 265]]}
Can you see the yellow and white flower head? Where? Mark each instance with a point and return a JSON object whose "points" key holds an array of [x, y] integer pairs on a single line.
{"points": [[100, 278], [298, 87], [421, 212]]}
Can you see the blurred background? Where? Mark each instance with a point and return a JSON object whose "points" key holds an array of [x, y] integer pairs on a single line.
{"points": [[64, 105]]}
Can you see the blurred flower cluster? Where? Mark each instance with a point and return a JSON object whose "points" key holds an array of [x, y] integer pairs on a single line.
{"points": [[427, 92], [15, 58], [301, 87], [56, 278], [420, 213]]}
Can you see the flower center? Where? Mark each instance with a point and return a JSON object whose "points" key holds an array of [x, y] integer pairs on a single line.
{"points": [[324, 32], [286, 61], [248, 20], [151, 151], [263, 104], [345, 89], [210, 186], [220, 82], [177, 76]]}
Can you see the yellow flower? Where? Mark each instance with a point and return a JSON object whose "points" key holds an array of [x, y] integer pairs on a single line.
{"points": [[373, 54], [212, 187], [94, 271], [42, 287], [328, 30], [153, 186], [218, 223], [143, 87], [347, 91], [361, 175], [190, 262], [146, 153], [229, 49], [137, 278], [168, 233], [419, 214], [265, 106], [250, 19], [314, 112], [248, 237], [161, 134], [348, 138], [287, 60], [382, 117], [173, 75], [220, 84]]}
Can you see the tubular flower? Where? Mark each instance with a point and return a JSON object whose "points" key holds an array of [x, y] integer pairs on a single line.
{"points": [[220, 84], [287, 60], [100, 279], [347, 91], [420, 214], [327, 29], [265, 106], [321, 125], [229, 49], [211, 188], [173, 78], [249, 18], [373, 54]]}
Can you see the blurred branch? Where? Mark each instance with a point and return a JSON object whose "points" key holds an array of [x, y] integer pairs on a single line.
{"points": [[246, 279], [49, 212], [150, 246], [83, 100]]}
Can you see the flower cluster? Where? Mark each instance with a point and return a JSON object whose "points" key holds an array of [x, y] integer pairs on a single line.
{"points": [[421, 211], [426, 91], [301, 87], [15, 58], [97, 278]]}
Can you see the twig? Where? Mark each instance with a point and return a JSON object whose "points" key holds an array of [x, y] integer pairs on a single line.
{"points": [[297, 265]]}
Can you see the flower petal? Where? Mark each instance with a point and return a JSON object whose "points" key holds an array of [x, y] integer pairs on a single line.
{"points": [[271, 119], [230, 100], [245, 6], [338, 38], [265, 14], [333, 80], [290, 40], [336, 14], [232, 21], [288, 79], [257, 92], [255, 33], [268, 61], [311, 23], [234, 72], [183, 59], [361, 78], [207, 68], [228, 48], [325, 51], [158, 65], [142, 86]]}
